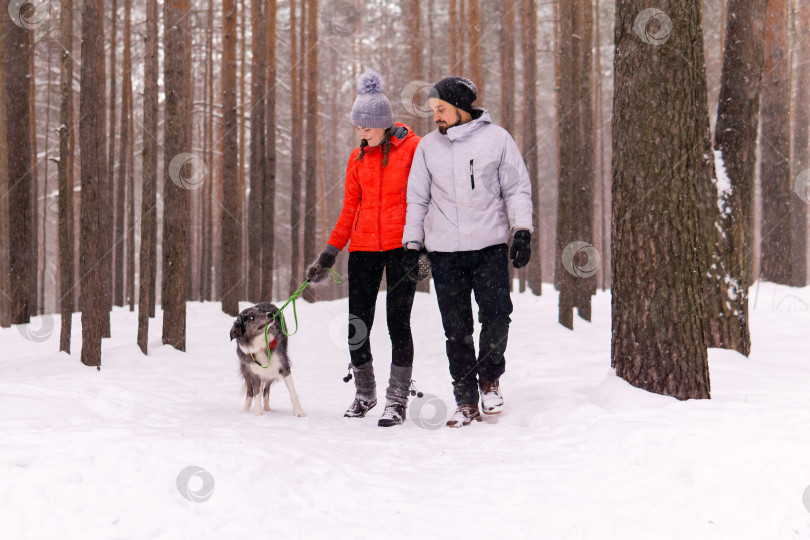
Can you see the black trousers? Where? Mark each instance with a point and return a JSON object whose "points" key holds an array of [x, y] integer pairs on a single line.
{"points": [[365, 275], [485, 273]]}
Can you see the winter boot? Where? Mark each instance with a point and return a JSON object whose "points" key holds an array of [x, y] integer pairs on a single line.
{"points": [[365, 397], [491, 399], [396, 397], [464, 415]]}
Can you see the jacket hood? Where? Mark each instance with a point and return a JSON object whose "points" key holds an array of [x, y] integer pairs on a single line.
{"points": [[456, 133]]}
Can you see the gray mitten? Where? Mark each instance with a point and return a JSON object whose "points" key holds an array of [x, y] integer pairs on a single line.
{"points": [[318, 269], [423, 267]]}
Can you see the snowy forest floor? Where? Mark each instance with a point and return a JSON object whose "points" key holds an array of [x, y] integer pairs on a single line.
{"points": [[576, 454]]}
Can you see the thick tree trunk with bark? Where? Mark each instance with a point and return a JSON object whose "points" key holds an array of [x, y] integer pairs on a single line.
{"points": [[528, 32], [65, 175], [736, 141], [657, 341], [123, 154], [257, 151], [177, 141], [269, 191], [297, 97], [230, 223], [576, 257], [311, 198], [777, 245], [5, 281], [801, 142], [94, 202], [16, 49]]}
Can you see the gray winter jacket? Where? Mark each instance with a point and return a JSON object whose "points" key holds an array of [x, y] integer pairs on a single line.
{"points": [[467, 190]]}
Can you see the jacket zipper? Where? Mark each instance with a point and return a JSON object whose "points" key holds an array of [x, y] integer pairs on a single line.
{"points": [[379, 207], [472, 176], [358, 217]]}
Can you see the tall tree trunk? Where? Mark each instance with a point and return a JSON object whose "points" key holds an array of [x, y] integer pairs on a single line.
{"points": [[777, 247], [736, 142], [657, 341], [150, 172], [34, 243], [269, 190], [257, 151], [230, 221], [94, 202], [454, 53], [123, 155], [296, 92], [243, 253], [311, 200], [577, 259], [528, 31], [43, 247], [476, 37], [801, 140], [17, 49], [177, 141], [5, 271], [65, 174], [130, 296], [109, 252]]}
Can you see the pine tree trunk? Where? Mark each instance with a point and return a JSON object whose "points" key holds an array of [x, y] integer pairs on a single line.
{"points": [[150, 171], [65, 175], [269, 190], [34, 245], [257, 151], [94, 202], [801, 142], [576, 259], [657, 341], [296, 93], [5, 271], [130, 296], [243, 253], [528, 32], [177, 140], [123, 155], [16, 48], [230, 222], [476, 61], [777, 245], [311, 197], [736, 141]]}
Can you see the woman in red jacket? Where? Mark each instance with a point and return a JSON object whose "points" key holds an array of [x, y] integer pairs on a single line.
{"points": [[373, 218]]}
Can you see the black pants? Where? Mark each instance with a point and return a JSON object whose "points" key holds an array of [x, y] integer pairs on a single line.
{"points": [[485, 273], [365, 275]]}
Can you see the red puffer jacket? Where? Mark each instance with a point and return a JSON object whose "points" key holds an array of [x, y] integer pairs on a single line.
{"points": [[375, 198]]}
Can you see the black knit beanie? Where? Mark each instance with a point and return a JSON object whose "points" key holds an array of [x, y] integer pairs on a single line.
{"points": [[457, 91]]}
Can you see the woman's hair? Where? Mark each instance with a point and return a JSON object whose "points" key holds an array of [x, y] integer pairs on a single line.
{"points": [[389, 132]]}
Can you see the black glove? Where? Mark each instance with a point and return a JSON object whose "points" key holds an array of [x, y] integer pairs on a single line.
{"points": [[521, 250], [318, 270], [410, 262]]}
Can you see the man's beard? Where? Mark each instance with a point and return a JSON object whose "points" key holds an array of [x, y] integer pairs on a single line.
{"points": [[443, 129]]}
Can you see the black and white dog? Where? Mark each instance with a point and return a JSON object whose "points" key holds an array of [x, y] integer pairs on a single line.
{"points": [[259, 369]]}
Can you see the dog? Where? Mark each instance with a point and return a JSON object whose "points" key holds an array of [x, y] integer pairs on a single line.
{"points": [[258, 370]]}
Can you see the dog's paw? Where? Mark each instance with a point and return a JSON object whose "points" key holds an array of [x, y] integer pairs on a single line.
{"points": [[299, 413], [267, 408]]}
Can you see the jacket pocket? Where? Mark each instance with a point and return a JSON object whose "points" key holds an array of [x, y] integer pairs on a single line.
{"points": [[472, 175]]}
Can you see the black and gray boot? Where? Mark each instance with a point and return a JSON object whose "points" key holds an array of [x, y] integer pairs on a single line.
{"points": [[396, 396], [365, 397]]}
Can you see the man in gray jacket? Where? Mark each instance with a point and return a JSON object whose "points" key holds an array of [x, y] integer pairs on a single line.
{"points": [[468, 192]]}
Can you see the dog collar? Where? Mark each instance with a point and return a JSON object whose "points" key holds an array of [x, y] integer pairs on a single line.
{"points": [[270, 347]]}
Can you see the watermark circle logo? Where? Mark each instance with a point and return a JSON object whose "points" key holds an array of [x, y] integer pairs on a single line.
{"points": [[113, 403], [35, 333], [340, 18], [428, 412], [415, 97], [806, 498], [188, 171], [493, 176], [573, 252], [357, 332], [801, 185], [195, 484], [649, 19], [26, 14]]}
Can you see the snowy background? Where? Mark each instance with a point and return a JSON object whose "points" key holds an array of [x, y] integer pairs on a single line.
{"points": [[577, 453]]}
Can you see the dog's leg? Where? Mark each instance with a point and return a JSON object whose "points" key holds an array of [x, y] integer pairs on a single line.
{"points": [[257, 391], [246, 390], [267, 395], [297, 409]]}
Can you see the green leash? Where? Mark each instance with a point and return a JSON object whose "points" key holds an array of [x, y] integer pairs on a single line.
{"points": [[337, 278]]}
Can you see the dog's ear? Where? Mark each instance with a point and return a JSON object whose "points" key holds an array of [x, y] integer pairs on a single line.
{"points": [[238, 328]]}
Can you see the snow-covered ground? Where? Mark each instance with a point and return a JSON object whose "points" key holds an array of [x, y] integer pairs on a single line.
{"points": [[577, 453]]}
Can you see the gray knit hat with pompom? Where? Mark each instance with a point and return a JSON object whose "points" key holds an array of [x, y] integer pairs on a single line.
{"points": [[371, 108]]}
